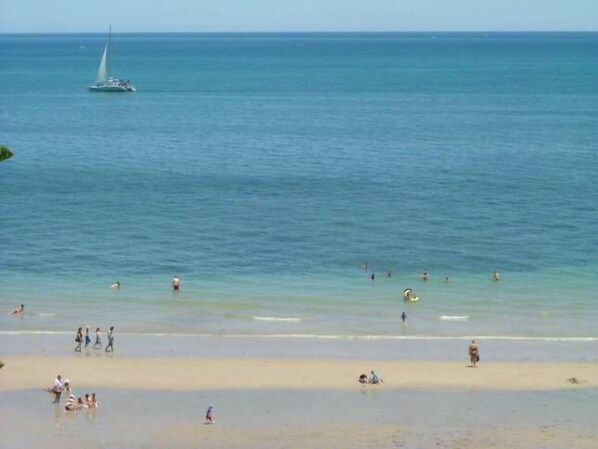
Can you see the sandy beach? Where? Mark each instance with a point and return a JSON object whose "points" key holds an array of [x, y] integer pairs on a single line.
{"points": [[274, 403], [218, 374]]}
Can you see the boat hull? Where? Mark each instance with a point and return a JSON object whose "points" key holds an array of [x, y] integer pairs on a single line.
{"points": [[111, 88]]}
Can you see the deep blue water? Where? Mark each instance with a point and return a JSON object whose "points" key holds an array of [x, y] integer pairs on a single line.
{"points": [[264, 169]]}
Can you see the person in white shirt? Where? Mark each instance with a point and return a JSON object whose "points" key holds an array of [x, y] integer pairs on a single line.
{"points": [[176, 283], [57, 389]]}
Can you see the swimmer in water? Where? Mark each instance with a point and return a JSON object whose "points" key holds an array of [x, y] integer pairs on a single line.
{"points": [[115, 285], [18, 310]]}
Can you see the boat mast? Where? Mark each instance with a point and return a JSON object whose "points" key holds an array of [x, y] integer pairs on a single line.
{"points": [[108, 52]]}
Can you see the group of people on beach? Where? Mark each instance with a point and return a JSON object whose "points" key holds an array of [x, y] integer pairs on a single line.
{"points": [[88, 402], [374, 379], [73, 403], [98, 343]]}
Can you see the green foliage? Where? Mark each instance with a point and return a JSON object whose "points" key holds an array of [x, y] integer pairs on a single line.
{"points": [[5, 153]]}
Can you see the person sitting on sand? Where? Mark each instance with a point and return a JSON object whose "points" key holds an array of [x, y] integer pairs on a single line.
{"points": [[18, 310], [376, 379], [363, 379], [474, 354]]}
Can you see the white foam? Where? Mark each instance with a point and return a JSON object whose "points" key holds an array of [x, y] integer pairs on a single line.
{"points": [[454, 317], [330, 336], [273, 318]]}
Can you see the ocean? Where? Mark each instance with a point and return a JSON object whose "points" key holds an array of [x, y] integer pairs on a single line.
{"points": [[267, 170]]}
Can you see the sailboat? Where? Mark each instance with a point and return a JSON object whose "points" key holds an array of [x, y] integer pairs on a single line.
{"points": [[105, 82]]}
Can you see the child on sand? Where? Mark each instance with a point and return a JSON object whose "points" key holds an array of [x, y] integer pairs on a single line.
{"points": [[209, 419]]}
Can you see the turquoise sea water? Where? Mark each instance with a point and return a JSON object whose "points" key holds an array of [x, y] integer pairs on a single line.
{"points": [[264, 170]]}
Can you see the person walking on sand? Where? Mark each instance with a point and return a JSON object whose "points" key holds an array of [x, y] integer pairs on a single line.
{"points": [[79, 340], [110, 345], [176, 283], [98, 343], [474, 354], [87, 337], [209, 418]]}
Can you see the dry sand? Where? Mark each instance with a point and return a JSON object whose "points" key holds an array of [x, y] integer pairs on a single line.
{"points": [[181, 374]]}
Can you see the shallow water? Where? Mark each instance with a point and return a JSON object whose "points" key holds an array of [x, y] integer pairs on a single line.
{"points": [[175, 419]]}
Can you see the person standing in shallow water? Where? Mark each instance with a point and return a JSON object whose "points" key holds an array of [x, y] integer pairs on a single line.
{"points": [[474, 354], [110, 345], [176, 283], [403, 317], [79, 340]]}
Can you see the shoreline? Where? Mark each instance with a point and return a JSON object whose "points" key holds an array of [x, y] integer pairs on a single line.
{"points": [[196, 374]]}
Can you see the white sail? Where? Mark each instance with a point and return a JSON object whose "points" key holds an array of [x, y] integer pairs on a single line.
{"points": [[106, 83], [102, 71]]}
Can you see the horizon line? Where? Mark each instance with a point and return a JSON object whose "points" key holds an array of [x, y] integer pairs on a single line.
{"points": [[303, 32]]}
